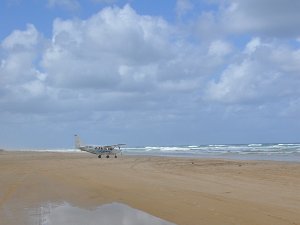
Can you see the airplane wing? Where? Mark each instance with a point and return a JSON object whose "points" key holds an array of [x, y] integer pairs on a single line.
{"points": [[116, 145], [111, 147]]}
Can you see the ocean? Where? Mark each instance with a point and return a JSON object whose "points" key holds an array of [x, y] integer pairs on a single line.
{"points": [[271, 151]]}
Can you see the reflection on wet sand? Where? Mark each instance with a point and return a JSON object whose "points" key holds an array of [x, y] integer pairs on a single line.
{"points": [[108, 214]]}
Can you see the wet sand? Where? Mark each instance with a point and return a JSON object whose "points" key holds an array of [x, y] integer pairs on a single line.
{"points": [[184, 191]]}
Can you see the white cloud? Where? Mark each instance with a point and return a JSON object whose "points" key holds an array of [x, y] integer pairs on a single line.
{"points": [[24, 39], [238, 83], [219, 48], [182, 7], [118, 60], [252, 45], [88, 53], [114, 59], [20, 50], [275, 17], [21, 81], [269, 17], [116, 49], [267, 72]]}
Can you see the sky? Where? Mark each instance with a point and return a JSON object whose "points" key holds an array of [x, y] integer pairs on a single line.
{"points": [[149, 73]]}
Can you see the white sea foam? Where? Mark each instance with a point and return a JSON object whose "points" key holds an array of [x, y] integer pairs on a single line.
{"points": [[290, 152], [255, 145]]}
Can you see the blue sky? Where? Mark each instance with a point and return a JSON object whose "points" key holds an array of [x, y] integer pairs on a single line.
{"points": [[149, 72]]}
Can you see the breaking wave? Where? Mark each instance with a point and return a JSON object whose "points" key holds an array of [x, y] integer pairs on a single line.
{"points": [[286, 152]]}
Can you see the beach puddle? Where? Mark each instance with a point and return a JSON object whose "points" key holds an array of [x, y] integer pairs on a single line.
{"points": [[108, 214]]}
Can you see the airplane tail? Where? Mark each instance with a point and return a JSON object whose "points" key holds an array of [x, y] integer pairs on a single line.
{"points": [[77, 141]]}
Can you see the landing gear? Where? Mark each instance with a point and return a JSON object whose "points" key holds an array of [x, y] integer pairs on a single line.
{"points": [[107, 156]]}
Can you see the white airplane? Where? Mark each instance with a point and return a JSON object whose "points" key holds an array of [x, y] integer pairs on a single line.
{"points": [[98, 149]]}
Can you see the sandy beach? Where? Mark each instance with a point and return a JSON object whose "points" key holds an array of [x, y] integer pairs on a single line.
{"points": [[184, 191]]}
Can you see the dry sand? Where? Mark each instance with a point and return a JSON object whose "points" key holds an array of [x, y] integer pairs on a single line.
{"points": [[184, 191]]}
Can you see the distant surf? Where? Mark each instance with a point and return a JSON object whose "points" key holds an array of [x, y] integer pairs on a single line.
{"points": [[254, 151]]}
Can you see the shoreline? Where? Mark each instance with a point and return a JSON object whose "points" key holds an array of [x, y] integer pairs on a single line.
{"points": [[230, 156], [185, 191]]}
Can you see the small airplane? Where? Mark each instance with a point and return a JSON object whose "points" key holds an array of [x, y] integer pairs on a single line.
{"points": [[98, 149]]}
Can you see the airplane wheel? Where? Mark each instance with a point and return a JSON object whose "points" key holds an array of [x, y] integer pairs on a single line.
{"points": [[107, 156], [115, 156], [99, 156]]}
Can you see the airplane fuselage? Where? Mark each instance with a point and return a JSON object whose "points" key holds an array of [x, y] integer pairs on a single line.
{"points": [[100, 150]]}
